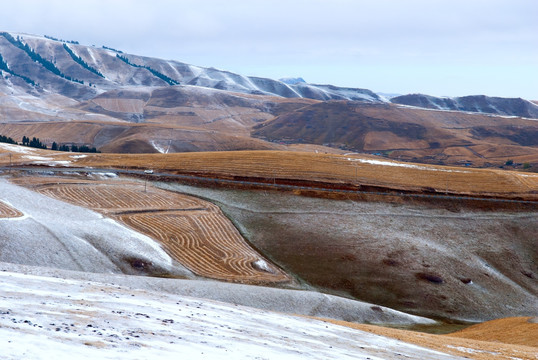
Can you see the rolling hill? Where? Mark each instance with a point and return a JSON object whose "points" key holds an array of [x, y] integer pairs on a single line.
{"points": [[66, 92], [410, 134]]}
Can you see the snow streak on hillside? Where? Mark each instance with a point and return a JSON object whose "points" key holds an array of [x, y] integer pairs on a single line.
{"points": [[48, 318]]}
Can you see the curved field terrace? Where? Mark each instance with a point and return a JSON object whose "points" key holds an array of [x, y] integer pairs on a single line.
{"points": [[8, 212], [192, 231]]}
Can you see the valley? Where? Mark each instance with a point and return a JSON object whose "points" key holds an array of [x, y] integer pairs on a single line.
{"points": [[222, 210]]}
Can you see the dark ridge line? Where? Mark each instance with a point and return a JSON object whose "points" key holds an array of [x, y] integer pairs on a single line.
{"points": [[133, 212], [154, 72], [38, 58], [4, 66], [81, 62]]}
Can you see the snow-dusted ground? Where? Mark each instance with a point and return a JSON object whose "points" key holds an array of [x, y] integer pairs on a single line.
{"points": [[56, 234], [34, 155], [48, 318], [302, 302]]}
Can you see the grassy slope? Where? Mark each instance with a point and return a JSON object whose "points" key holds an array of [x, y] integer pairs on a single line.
{"points": [[485, 347], [408, 133]]}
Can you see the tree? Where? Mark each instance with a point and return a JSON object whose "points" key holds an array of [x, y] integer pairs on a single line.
{"points": [[509, 162], [54, 146]]}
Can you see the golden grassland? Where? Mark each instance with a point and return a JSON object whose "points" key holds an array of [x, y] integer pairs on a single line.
{"points": [[192, 231], [510, 338], [328, 168], [309, 166]]}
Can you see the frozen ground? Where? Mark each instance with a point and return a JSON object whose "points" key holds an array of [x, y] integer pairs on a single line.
{"points": [[68, 241], [56, 234], [45, 318], [308, 303]]}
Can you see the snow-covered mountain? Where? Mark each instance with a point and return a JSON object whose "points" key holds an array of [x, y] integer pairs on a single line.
{"points": [[474, 103], [38, 63], [41, 65]]}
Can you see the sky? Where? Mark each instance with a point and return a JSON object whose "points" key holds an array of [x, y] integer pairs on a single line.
{"points": [[435, 47]]}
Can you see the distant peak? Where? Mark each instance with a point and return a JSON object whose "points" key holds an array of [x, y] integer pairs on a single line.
{"points": [[292, 80]]}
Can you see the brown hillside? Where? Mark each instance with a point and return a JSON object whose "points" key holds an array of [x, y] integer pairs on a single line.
{"points": [[282, 166], [443, 137]]}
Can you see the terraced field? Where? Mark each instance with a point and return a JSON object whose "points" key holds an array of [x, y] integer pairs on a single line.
{"points": [[7, 211], [192, 231]]}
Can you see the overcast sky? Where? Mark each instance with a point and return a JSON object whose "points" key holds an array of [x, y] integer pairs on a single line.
{"points": [[437, 47]]}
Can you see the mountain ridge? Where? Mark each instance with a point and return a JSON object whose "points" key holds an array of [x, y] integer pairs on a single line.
{"points": [[472, 103], [103, 71], [90, 70]]}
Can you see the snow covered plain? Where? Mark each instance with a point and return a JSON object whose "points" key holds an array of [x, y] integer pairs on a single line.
{"points": [[44, 318]]}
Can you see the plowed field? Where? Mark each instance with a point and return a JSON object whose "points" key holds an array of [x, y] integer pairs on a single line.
{"points": [[192, 231], [7, 211]]}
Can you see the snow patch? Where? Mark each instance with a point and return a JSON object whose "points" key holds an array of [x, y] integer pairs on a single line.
{"points": [[46, 318], [17, 148], [74, 238], [471, 351], [159, 148], [37, 158], [262, 265], [410, 166]]}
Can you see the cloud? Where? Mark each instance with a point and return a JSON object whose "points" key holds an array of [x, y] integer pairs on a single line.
{"points": [[276, 35]]}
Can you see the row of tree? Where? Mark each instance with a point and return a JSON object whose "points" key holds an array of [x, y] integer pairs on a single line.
{"points": [[36, 143], [6, 139], [155, 73], [5, 67], [38, 58], [109, 48], [62, 40], [81, 62]]}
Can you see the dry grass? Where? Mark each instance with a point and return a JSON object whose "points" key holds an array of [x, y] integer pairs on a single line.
{"points": [[518, 330], [328, 168], [307, 166], [472, 348], [192, 231], [7, 212]]}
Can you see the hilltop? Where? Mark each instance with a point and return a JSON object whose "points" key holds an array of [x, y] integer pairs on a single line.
{"points": [[65, 92]]}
